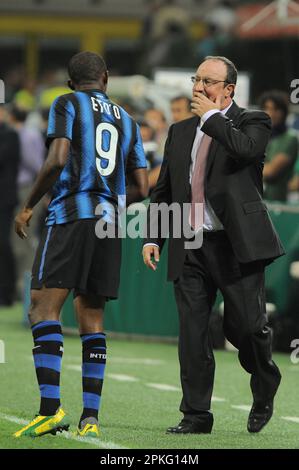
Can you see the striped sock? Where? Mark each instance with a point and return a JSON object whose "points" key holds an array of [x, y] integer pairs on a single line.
{"points": [[47, 355], [93, 368]]}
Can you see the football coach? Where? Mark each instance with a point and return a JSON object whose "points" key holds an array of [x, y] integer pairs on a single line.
{"points": [[216, 159]]}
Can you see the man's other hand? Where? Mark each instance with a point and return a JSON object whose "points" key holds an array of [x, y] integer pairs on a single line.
{"points": [[151, 256]]}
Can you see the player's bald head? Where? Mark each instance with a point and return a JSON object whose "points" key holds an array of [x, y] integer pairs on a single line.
{"points": [[86, 67]]}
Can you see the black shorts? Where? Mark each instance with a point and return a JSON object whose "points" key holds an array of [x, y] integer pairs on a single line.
{"points": [[70, 256]]}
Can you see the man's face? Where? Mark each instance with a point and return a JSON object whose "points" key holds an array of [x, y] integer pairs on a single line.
{"points": [[146, 133], [275, 114], [216, 72], [180, 110], [155, 119]]}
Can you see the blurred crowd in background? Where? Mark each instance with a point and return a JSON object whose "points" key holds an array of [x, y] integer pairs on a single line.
{"points": [[165, 41]]}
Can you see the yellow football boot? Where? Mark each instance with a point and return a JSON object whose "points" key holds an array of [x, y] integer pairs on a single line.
{"points": [[89, 427], [41, 425]]}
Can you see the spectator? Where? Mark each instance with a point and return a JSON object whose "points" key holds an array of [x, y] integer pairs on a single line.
{"points": [[153, 6], [180, 108], [150, 149], [32, 152], [173, 49], [223, 17], [282, 149], [209, 43], [9, 160], [293, 184], [25, 98], [161, 14], [157, 121]]}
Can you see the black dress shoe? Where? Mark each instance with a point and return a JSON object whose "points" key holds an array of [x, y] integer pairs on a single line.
{"points": [[186, 426], [259, 416]]}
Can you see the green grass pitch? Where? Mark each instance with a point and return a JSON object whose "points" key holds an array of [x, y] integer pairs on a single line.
{"points": [[135, 410]]}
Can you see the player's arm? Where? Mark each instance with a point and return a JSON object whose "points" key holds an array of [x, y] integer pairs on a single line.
{"points": [[136, 170], [50, 171], [138, 186], [59, 136]]}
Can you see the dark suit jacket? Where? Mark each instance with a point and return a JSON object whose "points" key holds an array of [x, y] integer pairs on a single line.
{"points": [[233, 183]]}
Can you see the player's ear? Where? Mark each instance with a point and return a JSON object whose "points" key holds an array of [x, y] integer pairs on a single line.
{"points": [[70, 84], [105, 76]]}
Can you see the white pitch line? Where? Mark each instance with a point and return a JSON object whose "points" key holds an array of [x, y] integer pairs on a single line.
{"points": [[131, 360], [14, 419], [130, 378], [74, 367], [294, 419], [172, 388], [91, 440], [164, 387], [123, 377], [119, 377], [241, 407], [218, 399], [67, 435]]}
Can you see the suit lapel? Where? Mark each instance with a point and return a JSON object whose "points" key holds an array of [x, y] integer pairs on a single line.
{"points": [[231, 114]]}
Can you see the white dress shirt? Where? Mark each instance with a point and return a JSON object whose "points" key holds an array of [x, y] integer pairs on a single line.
{"points": [[211, 221]]}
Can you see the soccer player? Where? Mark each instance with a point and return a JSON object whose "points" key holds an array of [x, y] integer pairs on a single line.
{"points": [[93, 144]]}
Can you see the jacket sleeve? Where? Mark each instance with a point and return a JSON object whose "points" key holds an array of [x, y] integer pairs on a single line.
{"points": [[245, 143], [160, 194]]}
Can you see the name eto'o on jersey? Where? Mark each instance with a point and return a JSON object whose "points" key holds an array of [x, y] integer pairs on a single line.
{"points": [[99, 105]]}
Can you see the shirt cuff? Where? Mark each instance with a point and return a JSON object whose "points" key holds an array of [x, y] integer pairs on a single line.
{"points": [[207, 115]]}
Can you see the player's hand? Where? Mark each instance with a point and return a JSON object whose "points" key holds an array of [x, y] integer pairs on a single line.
{"points": [[151, 256], [201, 104], [21, 221]]}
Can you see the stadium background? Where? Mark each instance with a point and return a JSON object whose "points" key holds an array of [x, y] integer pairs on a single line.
{"points": [[37, 38]]}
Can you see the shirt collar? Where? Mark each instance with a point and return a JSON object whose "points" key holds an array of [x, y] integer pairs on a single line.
{"points": [[224, 111]]}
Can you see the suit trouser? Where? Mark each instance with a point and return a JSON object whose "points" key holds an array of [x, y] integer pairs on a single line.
{"points": [[211, 267]]}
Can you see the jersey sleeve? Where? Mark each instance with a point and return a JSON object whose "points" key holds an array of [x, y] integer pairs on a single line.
{"points": [[61, 118], [136, 157]]}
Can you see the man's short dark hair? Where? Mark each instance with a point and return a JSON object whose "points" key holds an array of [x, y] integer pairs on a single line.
{"points": [[231, 69], [232, 73], [279, 98], [182, 97], [86, 67]]}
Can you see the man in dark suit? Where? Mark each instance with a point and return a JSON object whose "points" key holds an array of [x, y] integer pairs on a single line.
{"points": [[216, 158]]}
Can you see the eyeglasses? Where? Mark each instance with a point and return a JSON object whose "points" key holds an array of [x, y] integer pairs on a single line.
{"points": [[207, 82]]}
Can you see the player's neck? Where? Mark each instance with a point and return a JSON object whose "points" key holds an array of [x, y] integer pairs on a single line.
{"points": [[92, 86]]}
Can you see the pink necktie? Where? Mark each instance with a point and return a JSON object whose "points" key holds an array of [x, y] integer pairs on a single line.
{"points": [[197, 183]]}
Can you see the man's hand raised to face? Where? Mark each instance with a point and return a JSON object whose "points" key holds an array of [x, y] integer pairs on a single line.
{"points": [[201, 104]]}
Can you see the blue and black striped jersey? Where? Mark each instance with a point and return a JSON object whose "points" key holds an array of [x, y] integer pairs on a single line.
{"points": [[105, 146]]}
